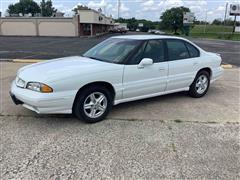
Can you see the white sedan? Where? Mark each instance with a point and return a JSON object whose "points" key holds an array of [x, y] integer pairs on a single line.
{"points": [[119, 69]]}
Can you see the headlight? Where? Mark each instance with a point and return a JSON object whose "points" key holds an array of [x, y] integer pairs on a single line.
{"points": [[19, 82], [39, 87]]}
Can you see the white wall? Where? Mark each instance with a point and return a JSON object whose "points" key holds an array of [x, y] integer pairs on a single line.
{"points": [[67, 27], [56, 29], [18, 28], [92, 17], [86, 16]]}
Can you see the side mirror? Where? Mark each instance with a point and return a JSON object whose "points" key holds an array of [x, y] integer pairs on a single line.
{"points": [[145, 62]]}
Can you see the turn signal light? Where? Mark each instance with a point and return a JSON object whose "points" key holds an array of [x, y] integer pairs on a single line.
{"points": [[46, 89]]}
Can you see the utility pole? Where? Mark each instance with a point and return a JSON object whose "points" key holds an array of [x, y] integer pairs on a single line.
{"points": [[205, 22], [225, 17], [234, 25], [104, 10], [119, 5]]}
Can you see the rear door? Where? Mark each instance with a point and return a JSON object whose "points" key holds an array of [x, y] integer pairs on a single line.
{"points": [[183, 63], [149, 79]]}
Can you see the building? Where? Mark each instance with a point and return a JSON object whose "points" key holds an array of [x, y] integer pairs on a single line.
{"points": [[121, 25], [94, 22], [86, 23], [58, 14]]}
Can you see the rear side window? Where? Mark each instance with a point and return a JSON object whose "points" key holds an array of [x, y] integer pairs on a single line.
{"points": [[194, 52], [177, 50], [154, 50]]}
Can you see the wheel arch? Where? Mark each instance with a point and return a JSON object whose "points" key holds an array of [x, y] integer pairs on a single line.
{"points": [[208, 69], [105, 84]]}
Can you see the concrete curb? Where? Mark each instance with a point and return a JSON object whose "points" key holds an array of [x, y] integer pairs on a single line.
{"points": [[5, 60], [227, 66], [27, 60]]}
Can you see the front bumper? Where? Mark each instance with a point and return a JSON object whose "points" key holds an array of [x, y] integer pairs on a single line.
{"points": [[14, 99], [43, 103]]}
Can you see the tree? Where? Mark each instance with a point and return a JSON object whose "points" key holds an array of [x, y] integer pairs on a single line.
{"points": [[172, 19], [47, 8], [133, 23], [13, 9], [24, 7], [80, 7], [217, 22], [230, 22], [197, 22]]}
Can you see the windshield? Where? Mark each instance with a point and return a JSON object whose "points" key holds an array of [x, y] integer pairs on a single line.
{"points": [[113, 50]]}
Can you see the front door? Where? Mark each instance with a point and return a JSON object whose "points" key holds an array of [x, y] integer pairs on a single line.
{"points": [[150, 79]]}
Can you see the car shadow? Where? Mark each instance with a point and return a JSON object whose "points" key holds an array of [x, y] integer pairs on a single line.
{"points": [[133, 104], [142, 102], [119, 109], [152, 100]]}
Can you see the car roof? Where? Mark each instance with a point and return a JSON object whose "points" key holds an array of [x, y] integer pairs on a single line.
{"points": [[147, 37]]}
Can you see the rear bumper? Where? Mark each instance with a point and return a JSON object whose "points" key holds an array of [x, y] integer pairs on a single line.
{"points": [[43, 103], [216, 73]]}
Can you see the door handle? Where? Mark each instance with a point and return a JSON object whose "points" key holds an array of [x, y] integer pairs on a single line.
{"points": [[162, 69]]}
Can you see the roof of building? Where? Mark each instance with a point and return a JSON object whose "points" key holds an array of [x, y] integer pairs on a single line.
{"points": [[145, 37]]}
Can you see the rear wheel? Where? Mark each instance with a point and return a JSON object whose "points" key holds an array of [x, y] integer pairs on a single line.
{"points": [[93, 104], [200, 85]]}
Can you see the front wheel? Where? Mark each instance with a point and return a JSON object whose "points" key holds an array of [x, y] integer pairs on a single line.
{"points": [[93, 104], [200, 85]]}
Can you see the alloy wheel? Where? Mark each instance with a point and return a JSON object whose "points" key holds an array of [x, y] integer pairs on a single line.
{"points": [[201, 84], [95, 105]]}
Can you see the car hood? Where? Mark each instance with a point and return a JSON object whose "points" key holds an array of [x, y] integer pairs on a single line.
{"points": [[62, 68]]}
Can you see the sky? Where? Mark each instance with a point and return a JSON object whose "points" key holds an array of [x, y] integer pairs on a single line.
{"points": [[141, 9]]}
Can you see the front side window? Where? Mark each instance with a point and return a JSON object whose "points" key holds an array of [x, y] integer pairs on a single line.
{"points": [[154, 50], [113, 50], [177, 50], [138, 55]]}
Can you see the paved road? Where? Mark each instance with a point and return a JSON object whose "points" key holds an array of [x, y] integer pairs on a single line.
{"points": [[48, 47], [168, 137], [64, 148]]}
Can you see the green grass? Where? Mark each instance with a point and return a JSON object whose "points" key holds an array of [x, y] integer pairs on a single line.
{"points": [[212, 29], [213, 32], [235, 37]]}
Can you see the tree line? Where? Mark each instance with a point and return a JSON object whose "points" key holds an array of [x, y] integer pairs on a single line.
{"points": [[227, 22], [171, 19], [24, 7]]}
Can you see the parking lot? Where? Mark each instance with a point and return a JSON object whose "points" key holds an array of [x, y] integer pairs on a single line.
{"points": [[50, 47], [167, 137]]}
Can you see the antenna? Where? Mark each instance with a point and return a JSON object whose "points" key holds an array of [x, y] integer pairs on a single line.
{"points": [[119, 5]]}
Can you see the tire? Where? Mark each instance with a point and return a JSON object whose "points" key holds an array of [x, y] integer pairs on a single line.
{"points": [[89, 110], [200, 85]]}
